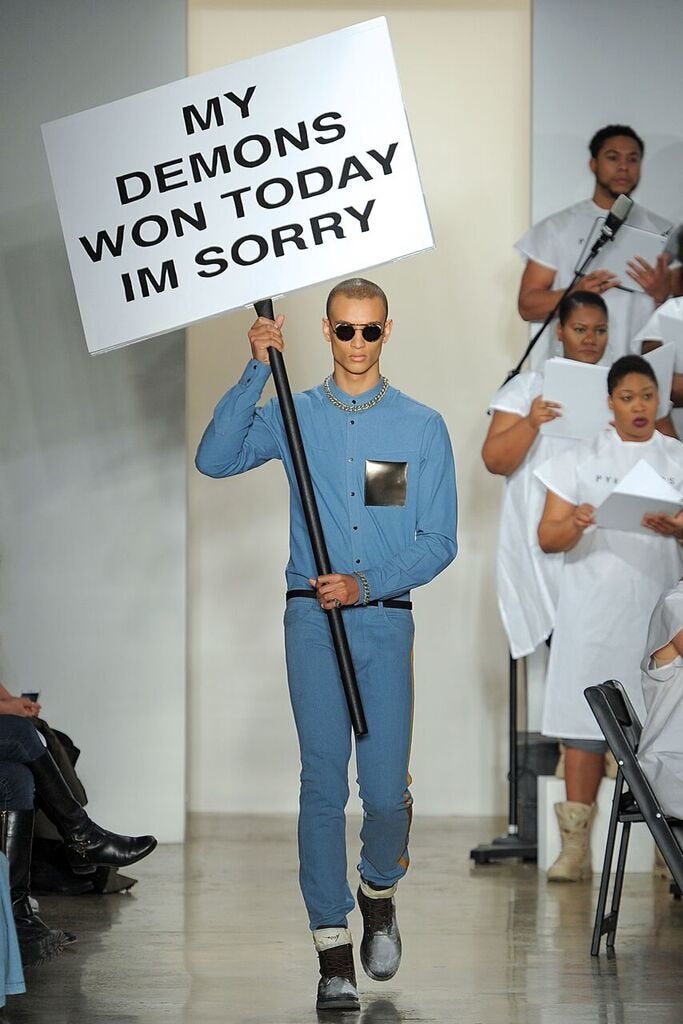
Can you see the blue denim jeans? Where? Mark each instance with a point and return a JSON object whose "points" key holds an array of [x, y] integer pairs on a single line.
{"points": [[20, 743], [381, 642]]}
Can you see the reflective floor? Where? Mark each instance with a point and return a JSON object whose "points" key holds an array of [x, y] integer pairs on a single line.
{"points": [[215, 932]]}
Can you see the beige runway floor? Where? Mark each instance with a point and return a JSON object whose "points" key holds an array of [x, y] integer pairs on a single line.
{"points": [[215, 932]]}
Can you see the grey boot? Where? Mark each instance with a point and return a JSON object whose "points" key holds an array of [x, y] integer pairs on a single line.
{"points": [[380, 951], [337, 986]]}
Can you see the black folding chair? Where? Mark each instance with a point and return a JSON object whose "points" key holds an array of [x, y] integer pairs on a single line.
{"points": [[621, 728]]}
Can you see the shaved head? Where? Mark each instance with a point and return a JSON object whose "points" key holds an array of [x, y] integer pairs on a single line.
{"points": [[357, 288]]}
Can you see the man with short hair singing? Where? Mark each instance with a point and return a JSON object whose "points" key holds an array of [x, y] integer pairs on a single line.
{"points": [[552, 248], [382, 468]]}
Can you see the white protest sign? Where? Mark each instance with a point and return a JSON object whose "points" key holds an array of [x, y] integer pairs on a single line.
{"points": [[238, 184]]}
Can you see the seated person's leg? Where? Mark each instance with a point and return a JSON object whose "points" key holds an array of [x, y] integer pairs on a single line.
{"points": [[86, 842], [19, 740], [37, 942]]}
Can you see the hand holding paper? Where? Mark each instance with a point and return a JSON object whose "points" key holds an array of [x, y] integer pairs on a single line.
{"points": [[667, 526], [543, 411], [598, 281], [633, 256], [653, 280], [640, 500], [583, 517]]}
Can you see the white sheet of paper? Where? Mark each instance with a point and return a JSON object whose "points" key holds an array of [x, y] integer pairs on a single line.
{"points": [[627, 243], [662, 362], [672, 333], [640, 492], [581, 390]]}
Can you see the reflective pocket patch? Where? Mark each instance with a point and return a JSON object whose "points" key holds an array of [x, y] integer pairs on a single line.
{"points": [[385, 483]]}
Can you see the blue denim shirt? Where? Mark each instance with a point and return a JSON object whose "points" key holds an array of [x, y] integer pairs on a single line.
{"points": [[395, 546]]}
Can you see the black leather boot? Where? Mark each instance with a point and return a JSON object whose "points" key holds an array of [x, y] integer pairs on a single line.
{"points": [[380, 949], [87, 844], [337, 986], [37, 942]]}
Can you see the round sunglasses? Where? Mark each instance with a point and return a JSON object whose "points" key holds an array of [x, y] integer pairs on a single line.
{"points": [[370, 332]]}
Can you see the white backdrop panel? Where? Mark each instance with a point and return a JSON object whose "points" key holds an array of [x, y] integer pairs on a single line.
{"points": [[614, 62], [92, 456]]}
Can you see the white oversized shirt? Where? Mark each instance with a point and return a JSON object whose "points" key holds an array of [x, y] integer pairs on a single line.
{"points": [[557, 243], [610, 582], [652, 331], [660, 751], [527, 580], [673, 245]]}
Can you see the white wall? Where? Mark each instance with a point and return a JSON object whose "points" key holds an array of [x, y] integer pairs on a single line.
{"points": [[92, 461], [613, 62], [464, 68]]}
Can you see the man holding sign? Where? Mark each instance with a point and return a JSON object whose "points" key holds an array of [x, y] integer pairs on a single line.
{"points": [[383, 471]]}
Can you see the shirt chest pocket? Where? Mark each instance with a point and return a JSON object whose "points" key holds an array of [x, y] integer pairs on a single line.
{"points": [[386, 483]]}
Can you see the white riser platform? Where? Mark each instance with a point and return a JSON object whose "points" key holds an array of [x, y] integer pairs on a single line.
{"points": [[641, 847]]}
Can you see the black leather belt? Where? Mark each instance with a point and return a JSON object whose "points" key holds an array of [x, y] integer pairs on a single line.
{"points": [[388, 603]]}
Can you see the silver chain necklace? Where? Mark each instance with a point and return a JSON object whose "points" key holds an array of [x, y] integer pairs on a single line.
{"points": [[355, 408]]}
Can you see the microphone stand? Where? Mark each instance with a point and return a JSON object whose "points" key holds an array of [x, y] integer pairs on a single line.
{"points": [[511, 845], [264, 308]]}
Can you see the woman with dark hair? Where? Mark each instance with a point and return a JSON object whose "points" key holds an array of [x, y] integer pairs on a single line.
{"points": [[610, 582], [526, 578]]}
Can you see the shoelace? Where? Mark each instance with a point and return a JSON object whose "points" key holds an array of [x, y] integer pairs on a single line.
{"points": [[337, 962], [378, 914]]}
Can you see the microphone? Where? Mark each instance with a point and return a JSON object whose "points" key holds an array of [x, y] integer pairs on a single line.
{"points": [[619, 211]]}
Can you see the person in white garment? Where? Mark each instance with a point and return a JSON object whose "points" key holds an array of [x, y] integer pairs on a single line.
{"points": [[610, 582], [674, 252], [552, 247], [654, 332], [527, 579], [660, 751]]}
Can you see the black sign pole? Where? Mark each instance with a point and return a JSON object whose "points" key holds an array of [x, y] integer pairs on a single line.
{"points": [[264, 308]]}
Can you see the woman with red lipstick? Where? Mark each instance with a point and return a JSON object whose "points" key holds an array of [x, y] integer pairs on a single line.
{"points": [[610, 583]]}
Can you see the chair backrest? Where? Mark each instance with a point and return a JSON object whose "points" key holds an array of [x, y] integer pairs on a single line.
{"points": [[622, 709], [621, 728]]}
